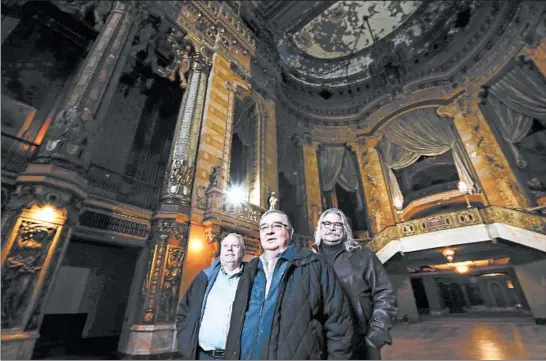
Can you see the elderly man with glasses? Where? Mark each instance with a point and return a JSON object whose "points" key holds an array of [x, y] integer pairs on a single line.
{"points": [[364, 280], [204, 315], [289, 302]]}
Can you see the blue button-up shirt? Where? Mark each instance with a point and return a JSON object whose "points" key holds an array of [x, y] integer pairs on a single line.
{"points": [[261, 310], [217, 311]]}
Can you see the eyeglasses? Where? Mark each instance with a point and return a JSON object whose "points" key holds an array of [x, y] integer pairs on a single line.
{"points": [[328, 224], [277, 226]]}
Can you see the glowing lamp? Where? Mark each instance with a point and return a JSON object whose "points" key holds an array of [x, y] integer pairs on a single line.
{"points": [[448, 253], [235, 195], [196, 245], [463, 188], [398, 203], [462, 268], [45, 214]]}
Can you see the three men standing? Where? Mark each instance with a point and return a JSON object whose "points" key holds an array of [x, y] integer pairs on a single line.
{"points": [[288, 303], [364, 280]]}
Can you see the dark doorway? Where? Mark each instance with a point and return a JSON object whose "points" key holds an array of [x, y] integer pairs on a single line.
{"points": [[420, 295], [86, 306], [239, 163]]}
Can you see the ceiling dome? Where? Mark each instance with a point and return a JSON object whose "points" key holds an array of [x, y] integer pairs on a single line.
{"points": [[351, 26], [344, 43]]}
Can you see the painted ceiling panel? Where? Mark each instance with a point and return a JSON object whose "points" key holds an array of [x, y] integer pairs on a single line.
{"points": [[342, 30], [337, 46]]}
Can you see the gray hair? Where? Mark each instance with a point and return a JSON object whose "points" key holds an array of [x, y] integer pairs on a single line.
{"points": [[349, 242], [284, 215], [240, 238]]}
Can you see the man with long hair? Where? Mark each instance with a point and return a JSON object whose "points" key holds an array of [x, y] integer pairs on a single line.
{"points": [[364, 280]]}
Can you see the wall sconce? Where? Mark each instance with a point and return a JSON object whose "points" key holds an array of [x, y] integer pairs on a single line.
{"points": [[449, 254], [46, 213], [463, 188]]}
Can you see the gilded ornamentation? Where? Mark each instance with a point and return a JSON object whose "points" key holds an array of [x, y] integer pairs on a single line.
{"points": [[152, 283], [525, 220], [183, 51], [22, 262], [180, 178], [172, 276], [162, 230], [487, 147], [180, 233], [439, 222], [383, 238], [213, 233]]}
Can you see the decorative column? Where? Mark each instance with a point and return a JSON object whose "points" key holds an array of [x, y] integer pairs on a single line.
{"points": [[312, 184], [499, 182], [150, 328], [44, 209], [379, 207]]}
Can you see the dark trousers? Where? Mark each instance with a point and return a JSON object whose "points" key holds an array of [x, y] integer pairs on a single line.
{"points": [[367, 353], [204, 356]]}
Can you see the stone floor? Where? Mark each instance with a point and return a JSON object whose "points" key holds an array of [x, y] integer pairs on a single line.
{"points": [[468, 338]]}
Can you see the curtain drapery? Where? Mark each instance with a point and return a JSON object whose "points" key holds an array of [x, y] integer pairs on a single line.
{"points": [[244, 120], [422, 132], [512, 125], [522, 89], [512, 103], [337, 166]]}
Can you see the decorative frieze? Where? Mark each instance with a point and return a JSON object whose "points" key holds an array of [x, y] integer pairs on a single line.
{"points": [[439, 222], [531, 221]]}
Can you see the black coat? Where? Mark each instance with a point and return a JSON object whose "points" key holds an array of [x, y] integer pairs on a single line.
{"points": [[188, 316], [312, 317], [372, 299]]}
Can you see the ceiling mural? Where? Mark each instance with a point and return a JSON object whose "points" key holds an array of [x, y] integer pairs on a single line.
{"points": [[333, 47], [342, 30]]}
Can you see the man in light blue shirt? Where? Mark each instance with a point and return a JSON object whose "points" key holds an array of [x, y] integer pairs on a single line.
{"points": [[204, 314]]}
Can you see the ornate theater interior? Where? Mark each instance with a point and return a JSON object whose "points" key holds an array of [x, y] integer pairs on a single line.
{"points": [[135, 134]]}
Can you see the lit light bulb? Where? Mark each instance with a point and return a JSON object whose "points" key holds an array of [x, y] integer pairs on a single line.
{"points": [[398, 203], [462, 268], [235, 195], [463, 188]]}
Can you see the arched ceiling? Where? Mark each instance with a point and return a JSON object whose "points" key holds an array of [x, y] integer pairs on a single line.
{"points": [[329, 70], [348, 27], [339, 46]]}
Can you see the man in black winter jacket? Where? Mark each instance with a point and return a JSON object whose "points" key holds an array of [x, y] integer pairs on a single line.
{"points": [[364, 280], [289, 304]]}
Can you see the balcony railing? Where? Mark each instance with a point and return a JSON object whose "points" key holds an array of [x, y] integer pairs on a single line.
{"points": [[112, 185], [435, 189], [216, 203], [16, 153]]}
